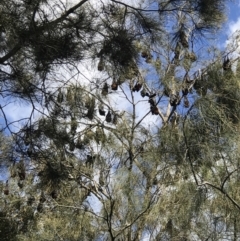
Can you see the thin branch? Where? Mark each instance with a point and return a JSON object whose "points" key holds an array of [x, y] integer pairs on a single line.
{"points": [[12, 52], [138, 216], [64, 16], [222, 191], [227, 177], [79, 208]]}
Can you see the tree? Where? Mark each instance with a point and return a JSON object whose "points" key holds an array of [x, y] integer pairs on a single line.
{"points": [[126, 139]]}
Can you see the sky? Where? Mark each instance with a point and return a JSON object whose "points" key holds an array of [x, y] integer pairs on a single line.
{"points": [[234, 11], [15, 112], [232, 24]]}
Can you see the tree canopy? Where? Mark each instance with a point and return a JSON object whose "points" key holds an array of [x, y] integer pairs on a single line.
{"points": [[132, 132]]}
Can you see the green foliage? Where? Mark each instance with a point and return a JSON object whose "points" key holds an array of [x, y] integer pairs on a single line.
{"points": [[125, 141], [211, 12], [119, 48], [8, 229]]}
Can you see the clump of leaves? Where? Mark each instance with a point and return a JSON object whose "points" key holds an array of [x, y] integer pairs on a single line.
{"points": [[54, 47], [53, 172], [8, 229], [119, 48], [211, 12]]}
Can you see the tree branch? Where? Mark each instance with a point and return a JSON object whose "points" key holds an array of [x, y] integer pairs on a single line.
{"points": [[222, 191], [12, 52]]}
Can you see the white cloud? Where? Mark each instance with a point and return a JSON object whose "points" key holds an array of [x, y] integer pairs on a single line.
{"points": [[232, 44], [234, 26]]}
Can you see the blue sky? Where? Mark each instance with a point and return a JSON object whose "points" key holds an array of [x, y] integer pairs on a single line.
{"points": [[16, 112], [233, 22], [234, 10]]}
